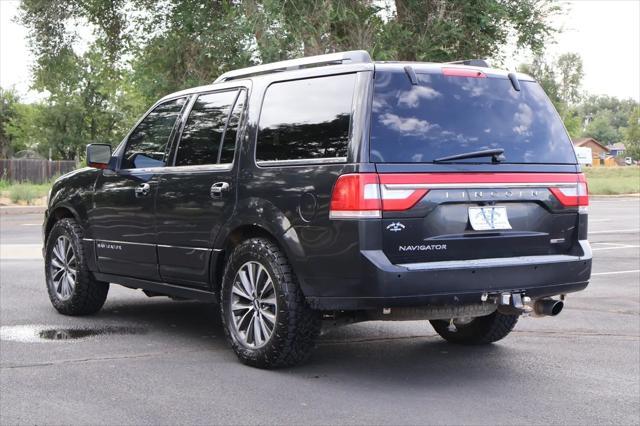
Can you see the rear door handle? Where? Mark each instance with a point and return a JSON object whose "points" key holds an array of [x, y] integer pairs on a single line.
{"points": [[143, 190], [218, 189]]}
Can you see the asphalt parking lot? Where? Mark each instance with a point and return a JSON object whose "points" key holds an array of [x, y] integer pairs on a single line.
{"points": [[165, 362]]}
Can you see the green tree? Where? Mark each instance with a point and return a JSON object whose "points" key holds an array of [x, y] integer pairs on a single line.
{"points": [[8, 104], [569, 78], [601, 128], [620, 108], [545, 75], [632, 134], [26, 130], [432, 30], [141, 50], [561, 79]]}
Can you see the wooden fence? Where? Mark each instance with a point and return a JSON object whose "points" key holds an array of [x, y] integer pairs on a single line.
{"points": [[35, 171]]}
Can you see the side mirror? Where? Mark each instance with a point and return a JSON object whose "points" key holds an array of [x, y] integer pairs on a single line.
{"points": [[98, 155]]}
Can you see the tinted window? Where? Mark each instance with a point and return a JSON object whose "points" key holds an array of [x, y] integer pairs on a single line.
{"points": [[306, 119], [203, 131], [446, 115], [147, 144], [229, 142]]}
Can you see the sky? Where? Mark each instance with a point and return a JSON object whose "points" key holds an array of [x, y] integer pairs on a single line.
{"points": [[606, 33]]}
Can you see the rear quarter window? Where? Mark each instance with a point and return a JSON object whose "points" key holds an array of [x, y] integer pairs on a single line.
{"points": [[306, 119], [449, 115]]}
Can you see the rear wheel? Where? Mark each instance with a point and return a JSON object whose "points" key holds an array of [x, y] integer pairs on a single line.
{"points": [[71, 287], [477, 331], [266, 319]]}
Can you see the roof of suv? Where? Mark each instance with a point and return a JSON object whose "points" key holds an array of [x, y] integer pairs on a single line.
{"points": [[351, 61]]}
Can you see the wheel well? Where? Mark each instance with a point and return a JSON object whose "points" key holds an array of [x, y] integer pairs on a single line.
{"points": [[237, 236], [56, 215]]}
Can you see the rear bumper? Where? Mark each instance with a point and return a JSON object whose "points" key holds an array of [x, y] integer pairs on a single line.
{"points": [[384, 284]]}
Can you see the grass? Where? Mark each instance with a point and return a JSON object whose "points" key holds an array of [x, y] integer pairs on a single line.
{"points": [[23, 193], [613, 180]]}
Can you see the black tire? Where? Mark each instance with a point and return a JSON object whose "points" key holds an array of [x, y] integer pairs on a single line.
{"points": [[88, 295], [480, 331], [296, 326]]}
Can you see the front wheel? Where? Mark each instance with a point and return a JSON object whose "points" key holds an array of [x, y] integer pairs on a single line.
{"points": [[477, 331], [266, 319], [71, 287]]}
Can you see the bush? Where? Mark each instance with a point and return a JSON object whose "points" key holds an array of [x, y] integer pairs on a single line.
{"points": [[27, 193]]}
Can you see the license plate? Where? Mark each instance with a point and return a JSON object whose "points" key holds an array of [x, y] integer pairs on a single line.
{"points": [[489, 218]]}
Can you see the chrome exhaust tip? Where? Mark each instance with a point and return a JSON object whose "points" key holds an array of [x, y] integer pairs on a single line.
{"points": [[548, 307]]}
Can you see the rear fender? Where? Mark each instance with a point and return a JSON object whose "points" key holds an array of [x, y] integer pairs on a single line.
{"points": [[263, 214]]}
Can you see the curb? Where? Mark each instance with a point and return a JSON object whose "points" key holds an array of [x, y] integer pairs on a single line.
{"points": [[17, 210]]}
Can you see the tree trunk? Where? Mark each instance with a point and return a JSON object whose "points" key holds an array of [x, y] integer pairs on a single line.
{"points": [[407, 51]]}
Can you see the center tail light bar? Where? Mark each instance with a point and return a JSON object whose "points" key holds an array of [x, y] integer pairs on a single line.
{"points": [[367, 195]]}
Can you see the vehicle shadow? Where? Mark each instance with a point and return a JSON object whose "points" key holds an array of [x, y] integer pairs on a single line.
{"points": [[407, 354]]}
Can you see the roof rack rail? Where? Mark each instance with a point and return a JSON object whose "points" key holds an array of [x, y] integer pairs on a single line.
{"points": [[472, 62], [354, 56]]}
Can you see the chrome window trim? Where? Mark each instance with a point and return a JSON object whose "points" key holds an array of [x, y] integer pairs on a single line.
{"points": [[199, 168], [302, 161]]}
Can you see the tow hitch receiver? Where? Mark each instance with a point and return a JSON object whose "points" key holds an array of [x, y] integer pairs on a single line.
{"points": [[512, 303]]}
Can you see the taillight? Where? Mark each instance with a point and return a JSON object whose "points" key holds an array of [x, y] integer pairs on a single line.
{"points": [[573, 196], [365, 195], [356, 196]]}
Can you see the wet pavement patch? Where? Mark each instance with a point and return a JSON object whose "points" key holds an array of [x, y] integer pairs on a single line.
{"points": [[41, 333]]}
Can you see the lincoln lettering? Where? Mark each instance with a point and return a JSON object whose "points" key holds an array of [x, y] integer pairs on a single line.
{"points": [[423, 247]]}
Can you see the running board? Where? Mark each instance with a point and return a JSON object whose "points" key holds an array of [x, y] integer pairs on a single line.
{"points": [[158, 287]]}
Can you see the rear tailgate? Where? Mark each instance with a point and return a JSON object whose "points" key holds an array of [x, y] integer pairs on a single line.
{"points": [[443, 196], [459, 216]]}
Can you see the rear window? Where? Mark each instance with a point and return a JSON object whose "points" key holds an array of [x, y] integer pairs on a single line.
{"points": [[306, 119], [449, 115]]}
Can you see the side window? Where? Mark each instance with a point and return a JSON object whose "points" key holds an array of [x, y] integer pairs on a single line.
{"points": [[147, 144], [202, 138], [306, 119], [229, 142]]}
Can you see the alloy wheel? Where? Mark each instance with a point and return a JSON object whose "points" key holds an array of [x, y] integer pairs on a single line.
{"points": [[64, 268], [253, 305]]}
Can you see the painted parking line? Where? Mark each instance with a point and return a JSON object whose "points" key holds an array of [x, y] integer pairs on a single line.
{"points": [[613, 231], [615, 246], [631, 271], [20, 251]]}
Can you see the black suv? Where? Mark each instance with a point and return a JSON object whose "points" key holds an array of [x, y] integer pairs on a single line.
{"points": [[332, 188]]}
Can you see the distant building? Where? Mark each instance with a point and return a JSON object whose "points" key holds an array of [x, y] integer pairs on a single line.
{"points": [[599, 151], [616, 150]]}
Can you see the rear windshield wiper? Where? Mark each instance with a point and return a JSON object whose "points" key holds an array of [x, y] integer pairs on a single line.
{"points": [[497, 155]]}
